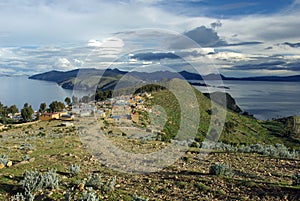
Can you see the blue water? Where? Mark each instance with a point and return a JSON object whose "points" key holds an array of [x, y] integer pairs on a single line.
{"points": [[19, 90], [265, 100]]}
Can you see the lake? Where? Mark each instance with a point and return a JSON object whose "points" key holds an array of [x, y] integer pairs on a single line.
{"points": [[19, 90], [265, 100]]}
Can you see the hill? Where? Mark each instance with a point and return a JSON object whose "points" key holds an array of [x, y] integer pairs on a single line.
{"points": [[237, 129], [47, 161], [89, 77]]}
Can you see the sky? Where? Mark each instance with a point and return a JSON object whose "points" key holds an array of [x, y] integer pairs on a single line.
{"points": [[239, 38]]}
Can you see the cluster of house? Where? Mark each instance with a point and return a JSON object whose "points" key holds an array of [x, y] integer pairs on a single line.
{"points": [[115, 110], [65, 116], [124, 109]]}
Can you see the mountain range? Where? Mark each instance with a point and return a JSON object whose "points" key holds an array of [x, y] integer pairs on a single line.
{"points": [[89, 77]]}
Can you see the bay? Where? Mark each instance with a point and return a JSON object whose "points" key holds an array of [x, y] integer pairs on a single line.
{"points": [[265, 100], [20, 90]]}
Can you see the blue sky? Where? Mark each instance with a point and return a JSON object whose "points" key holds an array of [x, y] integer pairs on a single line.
{"points": [[224, 9], [237, 38]]}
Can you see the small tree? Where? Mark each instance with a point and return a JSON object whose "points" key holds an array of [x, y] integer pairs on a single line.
{"points": [[13, 109], [68, 100], [27, 112], [43, 107], [56, 106]]}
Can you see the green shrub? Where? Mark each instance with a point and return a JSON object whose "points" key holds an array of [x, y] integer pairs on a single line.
{"points": [[26, 147], [110, 186], [50, 180], [296, 179], [25, 158], [95, 181], [3, 159], [20, 197], [137, 198], [89, 196], [74, 169], [34, 181], [220, 169]]}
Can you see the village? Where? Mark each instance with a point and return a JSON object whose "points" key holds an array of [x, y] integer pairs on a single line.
{"points": [[117, 115]]}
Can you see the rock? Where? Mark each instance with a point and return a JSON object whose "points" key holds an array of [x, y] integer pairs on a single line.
{"points": [[9, 164], [29, 152], [118, 186], [31, 160], [1, 166], [22, 162], [81, 186]]}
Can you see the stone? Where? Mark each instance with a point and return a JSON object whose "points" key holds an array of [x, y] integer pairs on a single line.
{"points": [[1, 166], [29, 152], [9, 164], [81, 186], [31, 160]]}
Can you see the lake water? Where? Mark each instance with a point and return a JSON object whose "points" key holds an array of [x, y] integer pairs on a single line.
{"points": [[19, 90], [266, 100]]}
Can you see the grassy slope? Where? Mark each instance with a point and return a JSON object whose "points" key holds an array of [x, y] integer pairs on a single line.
{"points": [[243, 130], [188, 179]]}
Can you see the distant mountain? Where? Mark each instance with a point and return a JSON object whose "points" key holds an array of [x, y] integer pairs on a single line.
{"points": [[293, 78], [89, 77]]}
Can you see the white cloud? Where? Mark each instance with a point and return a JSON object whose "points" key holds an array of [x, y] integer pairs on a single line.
{"points": [[63, 64]]}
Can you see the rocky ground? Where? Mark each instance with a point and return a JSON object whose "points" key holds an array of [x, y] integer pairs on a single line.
{"points": [[47, 145]]}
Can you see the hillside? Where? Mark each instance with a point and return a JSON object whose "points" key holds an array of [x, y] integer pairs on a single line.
{"points": [[48, 161], [238, 129], [88, 77]]}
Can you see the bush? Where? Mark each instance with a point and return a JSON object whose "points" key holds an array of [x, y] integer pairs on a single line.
{"points": [[50, 180], [26, 147], [296, 179], [110, 186], [20, 197], [74, 169], [34, 181], [89, 196], [3, 159], [220, 169], [95, 181], [25, 158], [137, 198]]}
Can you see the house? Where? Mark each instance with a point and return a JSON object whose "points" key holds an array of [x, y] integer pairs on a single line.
{"points": [[102, 114], [116, 119], [67, 117], [49, 116]]}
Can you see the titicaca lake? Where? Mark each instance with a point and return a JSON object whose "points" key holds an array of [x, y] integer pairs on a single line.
{"points": [[20, 90], [266, 100]]}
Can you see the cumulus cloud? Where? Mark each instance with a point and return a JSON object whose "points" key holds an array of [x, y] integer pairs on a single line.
{"points": [[205, 37], [53, 34], [63, 64]]}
